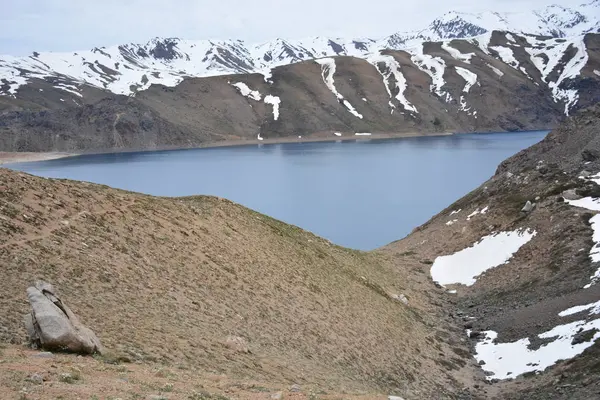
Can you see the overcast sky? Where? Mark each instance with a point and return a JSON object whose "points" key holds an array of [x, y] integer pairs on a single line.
{"points": [[64, 25]]}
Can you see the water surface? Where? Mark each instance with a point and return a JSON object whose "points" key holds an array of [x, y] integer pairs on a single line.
{"points": [[361, 194]]}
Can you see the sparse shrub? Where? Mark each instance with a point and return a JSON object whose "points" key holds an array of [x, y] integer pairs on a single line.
{"points": [[71, 377]]}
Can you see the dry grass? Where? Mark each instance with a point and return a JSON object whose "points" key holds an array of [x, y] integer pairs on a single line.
{"points": [[166, 281]]}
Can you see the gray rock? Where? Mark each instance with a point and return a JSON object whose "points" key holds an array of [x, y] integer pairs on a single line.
{"points": [[528, 207], [570, 194], [585, 173], [36, 378], [53, 326], [589, 155], [237, 343], [277, 396], [400, 297], [156, 397], [295, 388]]}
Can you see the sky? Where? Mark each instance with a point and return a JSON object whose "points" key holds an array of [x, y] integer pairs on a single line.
{"points": [[66, 25]]}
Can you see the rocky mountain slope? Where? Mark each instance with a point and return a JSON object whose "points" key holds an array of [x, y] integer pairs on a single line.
{"points": [[498, 81], [524, 280], [131, 67], [463, 73]]}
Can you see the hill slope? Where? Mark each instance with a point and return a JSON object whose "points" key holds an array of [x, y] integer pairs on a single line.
{"points": [[167, 281], [538, 308]]}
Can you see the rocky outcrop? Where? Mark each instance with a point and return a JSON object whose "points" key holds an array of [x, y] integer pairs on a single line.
{"points": [[51, 325]]}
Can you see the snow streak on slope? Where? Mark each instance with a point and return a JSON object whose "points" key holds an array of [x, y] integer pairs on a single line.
{"points": [[466, 58], [496, 70], [327, 71], [392, 69], [432, 66], [547, 56], [247, 92], [274, 101], [470, 79]]}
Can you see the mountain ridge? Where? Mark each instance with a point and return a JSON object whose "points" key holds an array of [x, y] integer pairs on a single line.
{"points": [[102, 66]]}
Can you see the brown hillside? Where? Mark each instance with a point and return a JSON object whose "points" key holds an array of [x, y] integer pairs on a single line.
{"points": [[166, 281]]}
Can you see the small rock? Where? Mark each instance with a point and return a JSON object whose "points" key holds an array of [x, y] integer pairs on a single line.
{"points": [[156, 397], [528, 207], [481, 362], [295, 388], [509, 175], [395, 398], [35, 378], [237, 343], [570, 194], [475, 335], [468, 325], [585, 173], [589, 155], [400, 297], [537, 198], [277, 396]]}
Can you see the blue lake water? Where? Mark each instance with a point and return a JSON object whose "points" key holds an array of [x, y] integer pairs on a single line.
{"points": [[361, 194]]}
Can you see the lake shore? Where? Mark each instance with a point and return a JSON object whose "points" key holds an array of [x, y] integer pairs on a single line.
{"points": [[23, 157], [20, 157]]}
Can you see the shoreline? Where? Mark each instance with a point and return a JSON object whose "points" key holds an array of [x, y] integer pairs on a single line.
{"points": [[7, 157], [27, 157]]}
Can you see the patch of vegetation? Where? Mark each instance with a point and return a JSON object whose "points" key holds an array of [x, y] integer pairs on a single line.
{"points": [[206, 396], [71, 377], [426, 262], [408, 253]]}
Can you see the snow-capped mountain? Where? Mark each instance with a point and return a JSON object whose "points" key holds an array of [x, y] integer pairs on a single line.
{"points": [[129, 68]]}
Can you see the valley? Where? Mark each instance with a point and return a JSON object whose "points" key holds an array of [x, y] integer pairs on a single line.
{"points": [[408, 217]]}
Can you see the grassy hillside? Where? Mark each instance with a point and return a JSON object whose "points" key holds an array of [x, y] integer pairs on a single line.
{"points": [[166, 281]]}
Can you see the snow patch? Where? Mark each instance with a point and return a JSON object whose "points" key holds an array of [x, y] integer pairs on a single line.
{"points": [[432, 66], [327, 72], [362, 134], [593, 307], [553, 50], [491, 251], [456, 211], [247, 92], [259, 137], [496, 70], [597, 72], [275, 101], [392, 69], [470, 79], [586, 202], [474, 213], [451, 222], [337, 134], [456, 54], [595, 250], [508, 360], [506, 55]]}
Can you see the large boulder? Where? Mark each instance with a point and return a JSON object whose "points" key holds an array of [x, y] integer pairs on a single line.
{"points": [[51, 325]]}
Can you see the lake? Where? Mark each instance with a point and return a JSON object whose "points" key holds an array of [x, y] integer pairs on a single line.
{"points": [[361, 194]]}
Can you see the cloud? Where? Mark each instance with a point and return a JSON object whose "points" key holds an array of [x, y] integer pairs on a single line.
{"points": [[65, 25]]}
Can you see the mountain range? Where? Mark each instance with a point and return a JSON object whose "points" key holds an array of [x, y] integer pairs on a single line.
{"points": [[435, 78]]}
